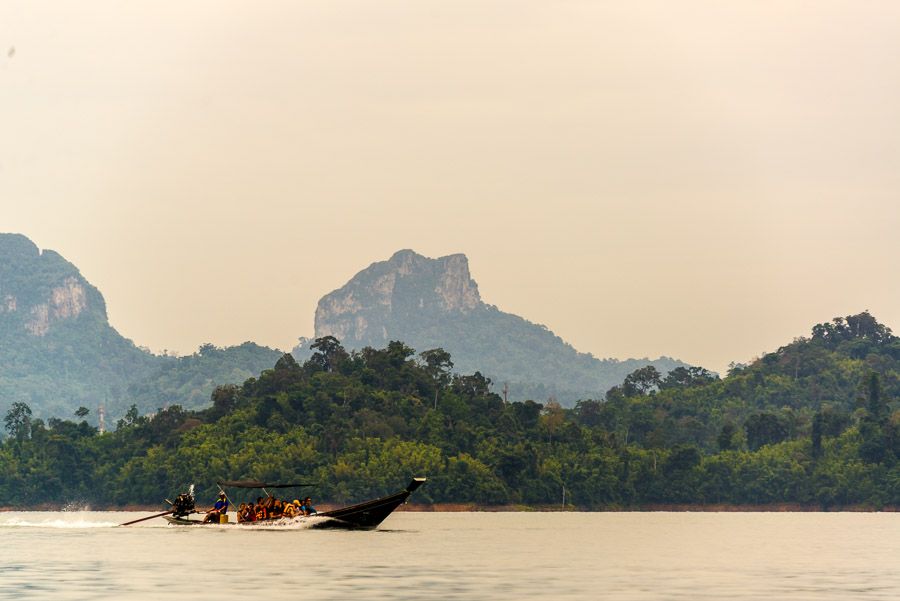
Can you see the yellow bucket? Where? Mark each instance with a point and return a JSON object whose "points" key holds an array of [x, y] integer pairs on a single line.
{"points": [[223, 518]]}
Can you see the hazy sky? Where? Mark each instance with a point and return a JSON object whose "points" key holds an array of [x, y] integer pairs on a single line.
{"points": [[704, 180]]}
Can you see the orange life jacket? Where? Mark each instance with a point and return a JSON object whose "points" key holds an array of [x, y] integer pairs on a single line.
{"points": [[261, 513], [288, 511]]}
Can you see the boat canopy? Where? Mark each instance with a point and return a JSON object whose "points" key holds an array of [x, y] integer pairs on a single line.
{"points": [[257, 484]]}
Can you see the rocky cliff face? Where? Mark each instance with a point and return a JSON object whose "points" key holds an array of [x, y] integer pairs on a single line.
{"points": [[361, 311], [66, 301], [431, 303], [39, 289], [57, 349]]}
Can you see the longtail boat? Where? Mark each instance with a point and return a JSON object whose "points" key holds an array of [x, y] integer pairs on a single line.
{"points": [[366, 516]]}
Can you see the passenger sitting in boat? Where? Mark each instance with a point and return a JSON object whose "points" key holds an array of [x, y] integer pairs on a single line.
{"points": [[247, 513], [277, 509], [307, 507], [298, 507], [261, 511], [220, 508], [289, 510]]}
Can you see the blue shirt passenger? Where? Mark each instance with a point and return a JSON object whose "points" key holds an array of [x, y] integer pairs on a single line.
{"points": [[220, 508]]}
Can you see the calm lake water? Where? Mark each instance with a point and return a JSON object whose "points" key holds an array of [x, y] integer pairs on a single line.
{"points": [[484, 556]]}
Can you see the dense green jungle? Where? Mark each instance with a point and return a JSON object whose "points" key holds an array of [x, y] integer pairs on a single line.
{"points": [[813, 423], [58, 351]]}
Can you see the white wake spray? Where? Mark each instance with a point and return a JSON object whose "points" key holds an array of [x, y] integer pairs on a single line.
{"points": [[54, 520]]}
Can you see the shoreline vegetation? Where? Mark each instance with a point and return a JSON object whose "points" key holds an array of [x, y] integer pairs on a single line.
{"points": [[812, 426]]}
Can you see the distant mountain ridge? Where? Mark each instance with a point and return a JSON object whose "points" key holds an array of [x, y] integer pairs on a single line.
{"points": [[429, 303], [391, 293], [58, 350]]}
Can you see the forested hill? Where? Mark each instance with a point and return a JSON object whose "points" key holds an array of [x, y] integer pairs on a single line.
{"points": [[813, 423], [188, 381], [832, 373], [58, 351], [431, 303]]}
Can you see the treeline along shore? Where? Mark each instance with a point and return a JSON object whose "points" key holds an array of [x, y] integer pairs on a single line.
{"points": [[813, 425]]}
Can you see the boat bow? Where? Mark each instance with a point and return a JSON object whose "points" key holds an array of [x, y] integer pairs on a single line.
{"points": [[371, 513]]}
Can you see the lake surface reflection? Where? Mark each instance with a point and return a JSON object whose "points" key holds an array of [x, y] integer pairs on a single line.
{"points": [[485, 556]]}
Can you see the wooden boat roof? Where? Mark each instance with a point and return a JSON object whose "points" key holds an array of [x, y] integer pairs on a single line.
{"points": [[257, 484]]}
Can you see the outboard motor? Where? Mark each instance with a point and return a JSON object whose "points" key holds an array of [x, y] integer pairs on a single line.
{"points": [[183, 505]]}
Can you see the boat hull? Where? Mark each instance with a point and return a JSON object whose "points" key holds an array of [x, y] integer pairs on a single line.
{"points": [[362, 516]]}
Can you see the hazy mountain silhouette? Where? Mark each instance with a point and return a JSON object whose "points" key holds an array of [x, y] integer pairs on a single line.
{"points": [[430, 303], [58, 350]]}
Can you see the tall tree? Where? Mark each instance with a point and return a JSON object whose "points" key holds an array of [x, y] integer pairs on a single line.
{"points": [[765, 428], [725, 439], [329, 353], [641, 381], [554, 415], [876, 405], [18, 421], [816, 435], [437, 366], [681, 377]]}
